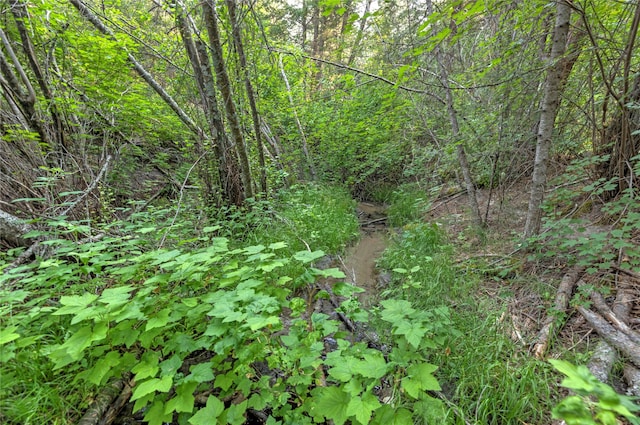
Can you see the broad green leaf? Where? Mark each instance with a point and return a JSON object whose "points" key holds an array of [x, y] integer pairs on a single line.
{"points": [[278, 245], [208, 414], [148, 366], [116, 296], [332, 272], [159, 320], [395, 310], [184, 399], [308, 256], [162, 385], [342, 369], [202, 372], [236, 413], [373, 366], [387, 415], [413, 332], [259, 322], [330, 403], [103, 366], [362, 408], [419, 379], [156, 415], [8, 334], [74, 303]]}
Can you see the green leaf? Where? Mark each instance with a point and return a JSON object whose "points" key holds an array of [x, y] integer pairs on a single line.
{"points": [[387, 415], [373, 366], [161, 318], [8, 334], [308, 256], [332, 272], [259, 322], [116, 296], [419, 379], [148, 366], [342, 369], [103, 367], [413, 332], [236, 413], [278, 245], [162, 385], [363, 408], [156, 416], [202, 372], [331, 403], [395, 310], [208, 414], [184, 399], [74, 303]]}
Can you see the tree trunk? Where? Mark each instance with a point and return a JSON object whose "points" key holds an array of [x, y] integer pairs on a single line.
{"points": [[305, 149], [23, 96], [148, 78], [20, 15], [255, 116], [455, 134], [550, 104], [224, 85]]}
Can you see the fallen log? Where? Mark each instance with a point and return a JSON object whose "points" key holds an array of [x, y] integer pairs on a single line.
{"points": [[114, 409], [632, 376], [563, 295], [616, 338], [102, 402], [12, 228], [617, 322], [604, 356]]}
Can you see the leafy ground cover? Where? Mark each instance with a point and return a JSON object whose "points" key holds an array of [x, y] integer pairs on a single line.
{"points": [[207, 328]]}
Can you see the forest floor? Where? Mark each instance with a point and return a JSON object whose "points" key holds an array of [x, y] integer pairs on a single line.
{"points": [[526, 286]]}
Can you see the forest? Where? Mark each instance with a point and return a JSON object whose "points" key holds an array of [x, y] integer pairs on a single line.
{"points": [[319, 212]]}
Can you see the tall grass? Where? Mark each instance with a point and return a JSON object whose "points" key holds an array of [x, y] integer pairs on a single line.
{"points": [[488, 378]]}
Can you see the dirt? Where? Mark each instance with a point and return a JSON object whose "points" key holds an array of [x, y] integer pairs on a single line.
{"points": [[359, 263]]}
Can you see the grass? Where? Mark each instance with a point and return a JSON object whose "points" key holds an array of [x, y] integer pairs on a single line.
{"points": [[489, 378]]}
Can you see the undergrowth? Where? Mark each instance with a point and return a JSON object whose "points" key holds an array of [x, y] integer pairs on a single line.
{"points": [[485, 377], [206, 325]]}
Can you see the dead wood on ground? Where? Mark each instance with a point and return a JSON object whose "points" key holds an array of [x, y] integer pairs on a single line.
{"points": [[563, 295]]}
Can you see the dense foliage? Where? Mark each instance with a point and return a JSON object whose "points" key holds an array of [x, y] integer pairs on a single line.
{"points": [[174, 174]]}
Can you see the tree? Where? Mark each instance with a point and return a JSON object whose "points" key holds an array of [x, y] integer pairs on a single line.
{"points": [[548, 113]]}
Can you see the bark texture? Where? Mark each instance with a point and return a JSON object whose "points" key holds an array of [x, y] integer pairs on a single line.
{"points": [[550, 104]]}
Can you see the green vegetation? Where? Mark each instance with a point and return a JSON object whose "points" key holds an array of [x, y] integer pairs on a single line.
{"points": [[205, 316], [485, 375]]}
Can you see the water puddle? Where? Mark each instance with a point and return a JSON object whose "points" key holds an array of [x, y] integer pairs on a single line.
{"points": [[359, 263]]}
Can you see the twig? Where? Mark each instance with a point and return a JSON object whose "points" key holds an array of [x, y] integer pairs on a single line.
{"points": [[91, 187]]}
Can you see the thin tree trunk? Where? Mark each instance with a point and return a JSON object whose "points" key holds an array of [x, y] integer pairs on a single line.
{"points": [[20, 15], [224, 85], [455, 134], [355, 49], [166, 97], [255, 116], [550, 104], [24, 96], [305, 149]]}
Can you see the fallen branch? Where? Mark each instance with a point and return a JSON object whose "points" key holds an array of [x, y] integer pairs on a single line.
{"points": [[607, 313], [91, 187], [559, 306], [102, 402], [632, 376], [114, 409], [617, 339], [604, 356]]}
